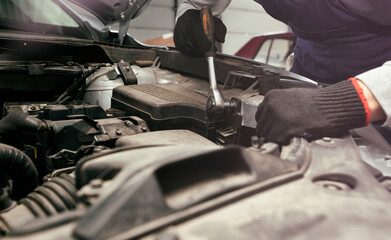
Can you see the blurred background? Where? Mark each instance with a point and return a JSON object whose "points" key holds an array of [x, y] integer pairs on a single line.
{"points": [[243, 18]]}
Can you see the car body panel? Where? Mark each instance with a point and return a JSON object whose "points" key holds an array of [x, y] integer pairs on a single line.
{"points": [[264, 48]]}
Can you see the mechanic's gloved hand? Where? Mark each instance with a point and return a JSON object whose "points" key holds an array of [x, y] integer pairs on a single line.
{"points": [[312, 113], [190, 38]]}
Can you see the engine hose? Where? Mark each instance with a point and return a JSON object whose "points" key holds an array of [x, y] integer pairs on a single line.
{"points": [[78, 83], [53, 197], [18, 120], [20, 168]]}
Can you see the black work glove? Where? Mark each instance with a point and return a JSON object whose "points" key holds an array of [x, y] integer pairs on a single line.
{"points": [[310, 113], [189, 36], [17, 120]]}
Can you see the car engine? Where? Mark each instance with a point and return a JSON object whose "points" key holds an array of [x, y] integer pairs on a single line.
{"points": [[100, 141]]}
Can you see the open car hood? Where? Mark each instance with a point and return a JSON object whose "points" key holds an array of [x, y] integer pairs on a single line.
{"points": [[110, 11]]}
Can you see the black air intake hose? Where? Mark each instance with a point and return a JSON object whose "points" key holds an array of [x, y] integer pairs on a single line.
{"points": [[17, 120], [20, 168], [55, 196]]}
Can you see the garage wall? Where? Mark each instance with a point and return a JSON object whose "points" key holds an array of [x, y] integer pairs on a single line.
{"points": [[243, 18], [158, 19]]}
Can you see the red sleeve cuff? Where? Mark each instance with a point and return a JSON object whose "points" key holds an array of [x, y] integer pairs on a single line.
{"points": [[364, 101]]}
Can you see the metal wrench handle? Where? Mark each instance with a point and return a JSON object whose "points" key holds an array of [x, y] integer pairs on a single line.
{"points": [[217, 103], [217, 95]]}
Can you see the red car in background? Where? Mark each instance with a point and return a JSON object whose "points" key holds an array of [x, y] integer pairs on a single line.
{"points": [[272, 48]]}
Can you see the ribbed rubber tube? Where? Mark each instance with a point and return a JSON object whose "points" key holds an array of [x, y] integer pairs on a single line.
{"points": [[20, 168], [53, 197], [57, 195]]}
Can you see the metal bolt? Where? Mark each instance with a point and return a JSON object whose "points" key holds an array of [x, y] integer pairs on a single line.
{"points": [[127, 68], [128, 123], [96, 183], [326, 139], [255, 142], [118, 132], [210, 104], [144, 128], [122, 16]]}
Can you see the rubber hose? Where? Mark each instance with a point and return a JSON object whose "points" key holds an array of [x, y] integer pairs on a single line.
{"points": [[21, 170], [17, 120], [55, 196]]}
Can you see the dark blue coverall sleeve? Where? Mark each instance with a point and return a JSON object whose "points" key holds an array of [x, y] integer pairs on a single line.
{"points": [[320, 20], [337, 39]]}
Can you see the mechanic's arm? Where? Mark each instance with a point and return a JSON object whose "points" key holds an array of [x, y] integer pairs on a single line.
{"points": [[378, 11], [378, 83], [330, 111], [217, 6], [324, 19], [189, 37], [376, 111]]}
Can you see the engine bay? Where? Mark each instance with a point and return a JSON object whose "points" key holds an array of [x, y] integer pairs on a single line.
{"points": [[90, 130], [79, 101]]}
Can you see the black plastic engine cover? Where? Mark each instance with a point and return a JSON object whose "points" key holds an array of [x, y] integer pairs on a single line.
{"points": [[166, 106]]}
